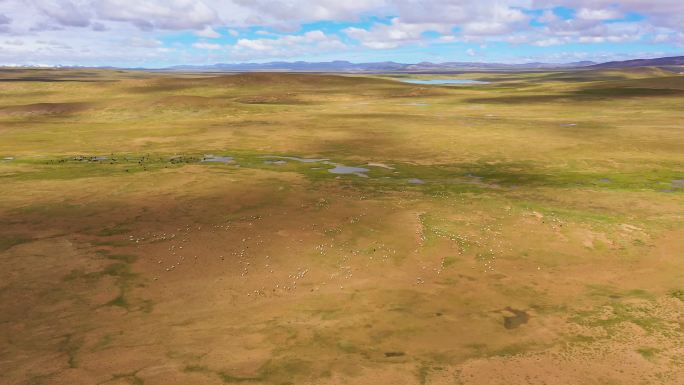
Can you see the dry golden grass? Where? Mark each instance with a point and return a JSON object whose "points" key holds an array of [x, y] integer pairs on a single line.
{"points": [[529, 231]]}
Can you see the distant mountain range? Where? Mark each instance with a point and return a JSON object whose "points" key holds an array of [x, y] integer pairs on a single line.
{"points": [[389, 66], [345, 66], [658, 62]]}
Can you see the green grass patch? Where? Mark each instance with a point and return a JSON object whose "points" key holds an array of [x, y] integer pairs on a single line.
{"points": [[123, 276], [7, 243], [131, 378], [196, 369], [70, 346], [229, 378], [127, 258], [677, 293], [648, 353], [114, 230], [620, 312], [449, 261], [119, 301], [510, 350]]}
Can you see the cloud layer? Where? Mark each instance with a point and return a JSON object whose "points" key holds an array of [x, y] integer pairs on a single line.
{"points": [[179, 31]]}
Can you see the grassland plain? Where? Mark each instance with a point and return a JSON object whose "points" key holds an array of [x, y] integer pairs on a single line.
{"points": [[157, 228]]}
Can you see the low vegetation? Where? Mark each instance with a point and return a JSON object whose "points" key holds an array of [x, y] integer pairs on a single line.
{"points": [[165, 228]]}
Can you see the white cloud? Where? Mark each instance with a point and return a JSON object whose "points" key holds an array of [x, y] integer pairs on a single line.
{"points": [[206, 45], [134, 29], [64, 12], [598, 14], [303, 10], [4, 19], [547, 16], [144, 42], [481, 17], [476, 20], [549, 42], [285, 46], [384, 36], [97, 26], [661, 13], [76, 49], [669, 37], [208, 33], [150, 14], [486, 28]]}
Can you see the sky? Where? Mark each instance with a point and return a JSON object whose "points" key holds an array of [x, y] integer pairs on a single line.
{"points": [[160, 33]]}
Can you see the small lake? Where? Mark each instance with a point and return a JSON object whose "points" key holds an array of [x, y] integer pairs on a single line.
{"points": [[442, 81]]}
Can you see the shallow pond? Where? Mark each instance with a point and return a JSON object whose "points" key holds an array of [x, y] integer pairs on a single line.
{"points": [[516, 320], [342, 169], [217, 159], [338, 168], [302, 160], [442, 81]]}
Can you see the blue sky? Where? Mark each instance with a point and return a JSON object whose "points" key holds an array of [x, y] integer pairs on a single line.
{"points": [[158, 33]]}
